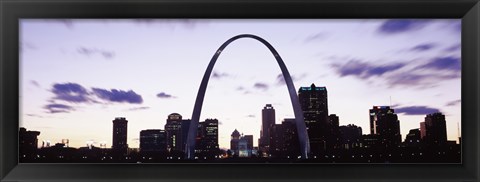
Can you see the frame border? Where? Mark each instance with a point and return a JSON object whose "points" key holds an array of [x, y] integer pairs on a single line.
{"points": [[12, 10]]}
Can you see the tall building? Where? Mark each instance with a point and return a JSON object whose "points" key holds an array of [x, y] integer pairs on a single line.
{"points": [[384, 123], [28, 144], [435, 129], [173, 128], [119, 143], [268, 119], [314, 103], [153, 141], [207, 136], [234, 142]]}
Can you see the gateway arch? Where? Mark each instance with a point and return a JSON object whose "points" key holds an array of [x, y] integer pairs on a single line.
{"points": [[297, 110]]}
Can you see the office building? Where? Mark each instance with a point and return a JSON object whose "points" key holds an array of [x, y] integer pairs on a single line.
{"points": [[119, 143], [153, 140], [175, 134], [268, 119], [314, 103], [435, 129], [350, 136], [384, 123]]}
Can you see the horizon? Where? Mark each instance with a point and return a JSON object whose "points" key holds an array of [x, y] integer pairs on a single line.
{"points": [[138, 69]]}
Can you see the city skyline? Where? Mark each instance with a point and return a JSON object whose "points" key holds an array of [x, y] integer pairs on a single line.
{"points": [[110, 79]]}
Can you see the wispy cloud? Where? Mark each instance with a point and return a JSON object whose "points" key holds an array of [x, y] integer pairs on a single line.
{"points": [[121, 96], [454, 103], [423, 47], [251, 116], [164, 95], [218, 75], [443, 63], [58, 108], [453, 48], [281, 79], [261, 86], [35, 83], [364, 70], [138, 108], [95, 51], [70, 92], [416, 110], [316, 37], [395, 26]]}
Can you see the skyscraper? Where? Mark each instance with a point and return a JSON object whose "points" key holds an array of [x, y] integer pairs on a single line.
{"points": [[153, 141], [314, 104], [384, 123], [173, 128], [207, 136], [435, 129], [234, 142], [268, 119], [119, 143]]}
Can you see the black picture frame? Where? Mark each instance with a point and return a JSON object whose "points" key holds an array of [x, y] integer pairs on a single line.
{"points": [[12, 10]]}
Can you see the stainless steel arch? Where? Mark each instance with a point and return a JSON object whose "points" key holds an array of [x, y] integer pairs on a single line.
{"points": [[300, 124]]}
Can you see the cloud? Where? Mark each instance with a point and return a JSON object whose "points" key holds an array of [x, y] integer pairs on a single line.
{"points": [[423, 47], [164, 95], [443, 63], [240, 88], [138, 108], [317, 36], [35, 83], [219, 75], [35, 115], [115, 95], [364, 70], [281, 79], [395, 26], [261, 86], [70, 92], [411, 79], [95, 51], [416, 110], [58, 108], [453, 48], [251, 116], [454, 103]]}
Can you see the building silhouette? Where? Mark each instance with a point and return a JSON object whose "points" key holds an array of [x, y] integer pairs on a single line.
{"points": [[413, 138], [314, 103], [268, 120], [284, 139], [350, 136], [153, 140], [28, 144], [207, 139], [385, 124], [175, 134], [235, 138], [435, 129], [119, 143], [245, 146]]}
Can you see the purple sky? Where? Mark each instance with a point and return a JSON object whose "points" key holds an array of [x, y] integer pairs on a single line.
{"points": [[78, 75]]}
